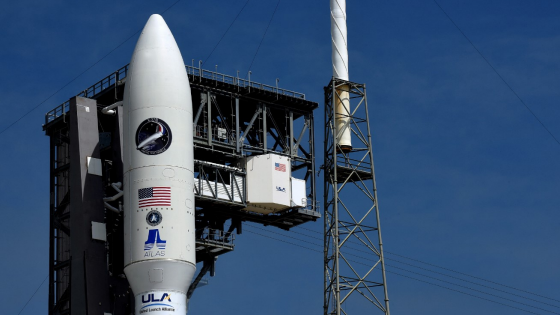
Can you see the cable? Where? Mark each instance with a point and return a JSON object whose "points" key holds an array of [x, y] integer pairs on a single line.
{"points": [[317, 238], [80, 259], [79, 75], [464, 274], [496, 71], [451, 270], [460, 279], [462, 286], [69, 82], [320, 245], [469, 288], [33, 294], [284, 235], [462, 292], [444, 287], [482, 285], [243, 8], [311, 249], [169, 7], [264, 35], [425, 269], [443, 274]]}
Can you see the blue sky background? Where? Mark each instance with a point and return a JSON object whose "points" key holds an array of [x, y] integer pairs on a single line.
{"points": [[467, 178]]}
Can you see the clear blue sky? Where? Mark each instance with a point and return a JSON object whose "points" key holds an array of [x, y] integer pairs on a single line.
{"points": [[468, 179]]}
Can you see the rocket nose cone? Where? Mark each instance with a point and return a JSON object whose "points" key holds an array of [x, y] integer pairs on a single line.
{"points": [[156, 34], [155, 16], [155, 19]]}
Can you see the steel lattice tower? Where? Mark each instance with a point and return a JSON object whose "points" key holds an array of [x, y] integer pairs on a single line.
{"points": [[354, 271]]}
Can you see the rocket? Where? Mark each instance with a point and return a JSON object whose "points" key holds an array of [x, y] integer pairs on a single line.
{"points": [[158, 174]]}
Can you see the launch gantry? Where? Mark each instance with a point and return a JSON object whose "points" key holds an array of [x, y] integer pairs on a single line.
{"points": [[234, 120]]}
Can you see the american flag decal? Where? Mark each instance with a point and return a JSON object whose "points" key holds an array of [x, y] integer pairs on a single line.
{"points": [[154, 196], [280, 167]]}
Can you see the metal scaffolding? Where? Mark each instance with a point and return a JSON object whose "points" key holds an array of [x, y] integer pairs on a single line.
{"points": [[59, 249], [233, 119], [354, 267]]}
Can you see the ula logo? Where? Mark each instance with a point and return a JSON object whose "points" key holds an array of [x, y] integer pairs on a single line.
{"points": [[154, 239], [278, 188], [148, 298]]}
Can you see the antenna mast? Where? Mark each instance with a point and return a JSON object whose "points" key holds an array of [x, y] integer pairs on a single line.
{"points": [[351, 210], [339, 41]]}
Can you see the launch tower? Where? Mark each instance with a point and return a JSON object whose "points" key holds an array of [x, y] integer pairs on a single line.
{"points": [[352, 227], [236, 123]]}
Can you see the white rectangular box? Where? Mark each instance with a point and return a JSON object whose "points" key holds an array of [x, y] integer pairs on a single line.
{"points": [[269, 187], [299, 193]]}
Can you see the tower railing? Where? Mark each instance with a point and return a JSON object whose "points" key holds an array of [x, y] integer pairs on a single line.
{"points": [[116, 78]]}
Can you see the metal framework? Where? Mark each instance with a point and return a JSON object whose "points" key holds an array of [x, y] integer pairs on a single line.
{"points": [[354, 274], [59, 240], [83, 271], [232, 118]]}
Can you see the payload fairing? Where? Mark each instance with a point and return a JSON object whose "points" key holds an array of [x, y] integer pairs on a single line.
{"points": [[158, 174]]}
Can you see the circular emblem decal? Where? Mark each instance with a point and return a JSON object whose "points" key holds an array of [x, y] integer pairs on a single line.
{"points": [[154, 218], [153, 136]]}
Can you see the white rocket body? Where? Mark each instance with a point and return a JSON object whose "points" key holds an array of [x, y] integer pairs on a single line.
{"points": [[340, 70], [158, 174]]}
